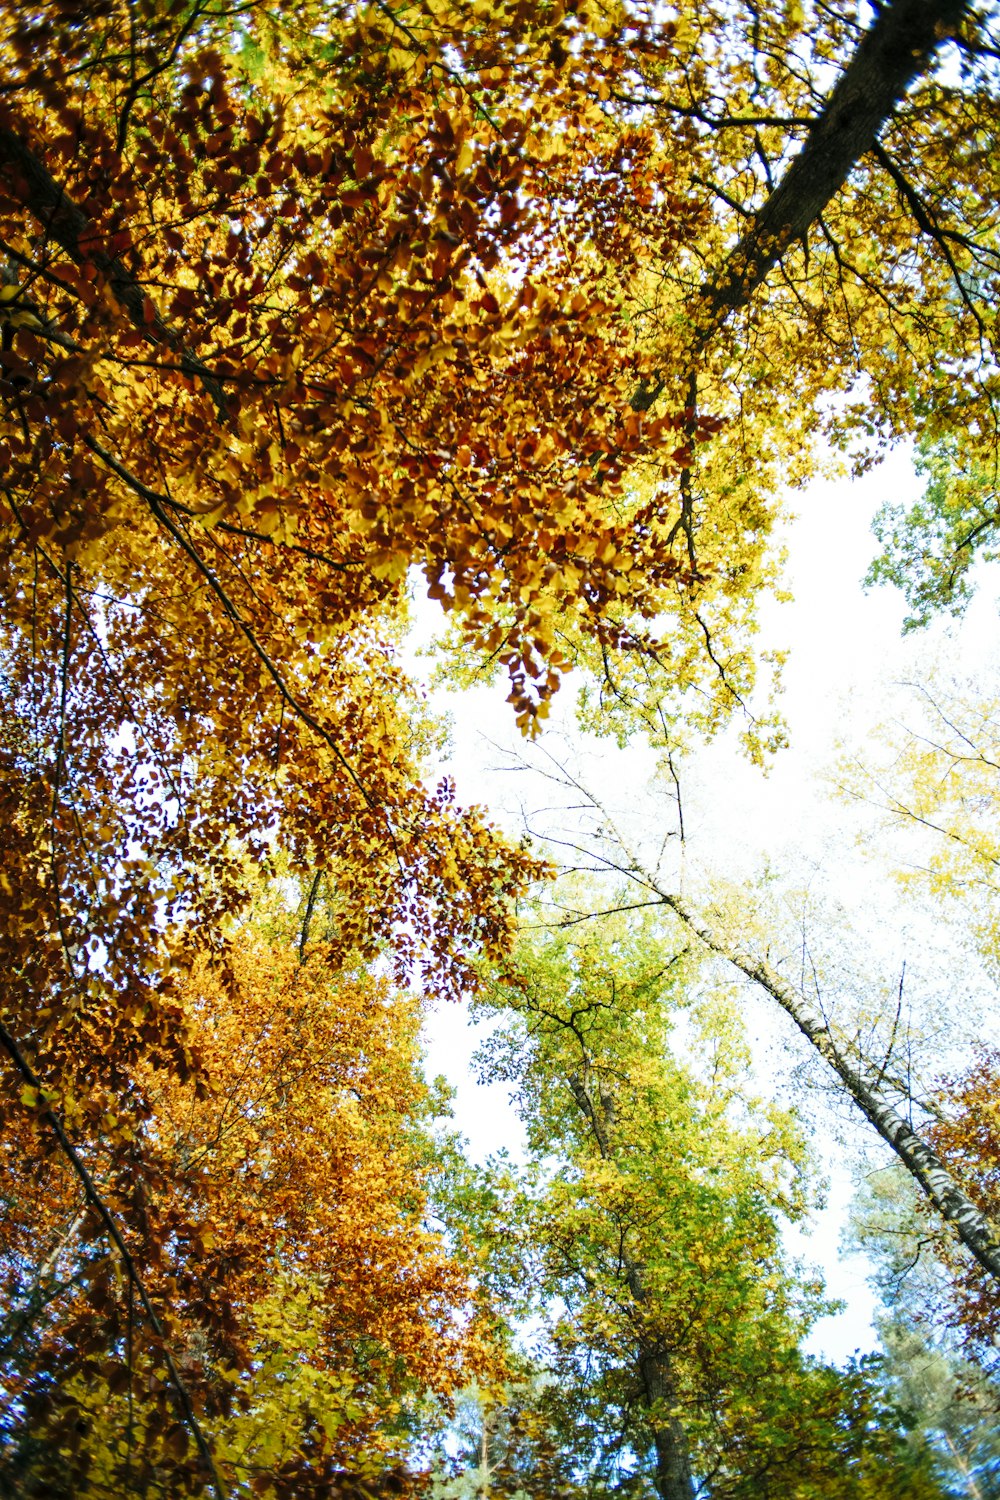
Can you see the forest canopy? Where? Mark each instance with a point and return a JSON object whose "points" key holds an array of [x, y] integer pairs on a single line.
{"points": [[536, 310]]}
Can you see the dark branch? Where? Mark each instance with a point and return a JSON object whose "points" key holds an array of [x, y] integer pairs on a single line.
{"points": [[889, 57], [70, 227]]}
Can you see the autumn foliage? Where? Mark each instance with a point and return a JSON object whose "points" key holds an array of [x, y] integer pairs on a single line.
{"points": [[275, 1207], [250, 264], [968, 1136], [250, 281], [303, 307]]}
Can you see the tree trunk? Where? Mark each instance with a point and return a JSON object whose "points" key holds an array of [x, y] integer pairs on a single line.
{"points": [[978, 1233], [672, 1477], [889, 57]]}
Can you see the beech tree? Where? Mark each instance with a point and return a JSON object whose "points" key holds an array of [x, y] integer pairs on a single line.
{"points": [[274, 1215], [249, 268]]}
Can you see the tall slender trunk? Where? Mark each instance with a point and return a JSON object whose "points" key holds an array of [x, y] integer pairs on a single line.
{"points": [[484, 1461], [979, 1234], [673, 1478]]}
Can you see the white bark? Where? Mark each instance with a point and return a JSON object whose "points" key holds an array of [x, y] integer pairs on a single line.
{"points": [[977, 1232]]}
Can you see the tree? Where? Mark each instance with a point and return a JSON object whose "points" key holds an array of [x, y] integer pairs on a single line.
{"points": [[189, 352], [274, 1211], [967, 1133], [296, 299], [933, 779], [935, 795], [725, 923], [952, 1401], [955, 1409], [928, 550], [641, 1242]]}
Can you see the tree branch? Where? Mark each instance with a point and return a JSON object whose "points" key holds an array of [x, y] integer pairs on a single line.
{"points": [[102, 1211], [70, 227], [156, 503], [889, 57], [307, 919], [149, 495], [928, 225]]}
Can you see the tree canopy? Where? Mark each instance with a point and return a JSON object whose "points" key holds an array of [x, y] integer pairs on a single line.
{"points": [[534, 307], [644, 1236]]}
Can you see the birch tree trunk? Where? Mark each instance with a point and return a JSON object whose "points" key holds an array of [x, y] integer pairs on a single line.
{"points": [[977, 1232]]}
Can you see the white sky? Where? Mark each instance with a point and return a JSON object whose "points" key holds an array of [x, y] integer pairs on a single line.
{"points": [[846, 651]]}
